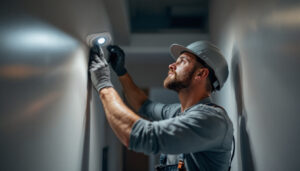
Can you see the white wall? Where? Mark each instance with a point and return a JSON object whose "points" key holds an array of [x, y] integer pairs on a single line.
{"points": [[43, 97], [260, 40], [50, 119]]}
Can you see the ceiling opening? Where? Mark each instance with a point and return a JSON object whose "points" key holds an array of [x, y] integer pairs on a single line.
{"points": [[168, 16]]}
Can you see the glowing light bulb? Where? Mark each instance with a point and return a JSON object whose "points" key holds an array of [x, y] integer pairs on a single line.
{"points": [[101, 40]]}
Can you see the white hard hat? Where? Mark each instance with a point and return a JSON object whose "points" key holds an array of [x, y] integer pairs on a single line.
{"points": [[210, 55]]}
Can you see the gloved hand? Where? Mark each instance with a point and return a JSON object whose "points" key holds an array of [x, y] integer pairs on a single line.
{"points": [[98, 67], [117, 59]]}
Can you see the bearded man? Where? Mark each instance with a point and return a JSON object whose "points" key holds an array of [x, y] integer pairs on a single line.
{"points": [[193, 135]]}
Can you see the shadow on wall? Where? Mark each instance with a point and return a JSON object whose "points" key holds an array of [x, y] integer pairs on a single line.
{"points": [[86, 144], [246, 150]]}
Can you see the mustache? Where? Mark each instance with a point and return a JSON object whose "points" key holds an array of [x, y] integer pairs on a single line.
{"points": [[171, 72]]}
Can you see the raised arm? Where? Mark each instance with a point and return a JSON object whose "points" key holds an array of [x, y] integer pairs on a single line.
{"points": [[119, 116], [134, 95]]}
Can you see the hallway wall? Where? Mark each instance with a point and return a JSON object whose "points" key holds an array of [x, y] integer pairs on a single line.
{"points": [[260, 40], [47, 120], [44, 97]]}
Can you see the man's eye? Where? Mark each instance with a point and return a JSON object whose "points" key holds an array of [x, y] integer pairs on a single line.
{"points": [[180, 61]]}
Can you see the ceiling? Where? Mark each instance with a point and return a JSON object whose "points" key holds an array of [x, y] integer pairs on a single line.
{"points": [[149, 27], [141, 27]]}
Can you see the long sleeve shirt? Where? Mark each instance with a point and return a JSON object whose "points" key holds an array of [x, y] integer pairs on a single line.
{"points": [[202, 132]]}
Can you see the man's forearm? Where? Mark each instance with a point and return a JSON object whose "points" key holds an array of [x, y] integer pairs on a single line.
{"points": [[119, 116], [134, 95]]}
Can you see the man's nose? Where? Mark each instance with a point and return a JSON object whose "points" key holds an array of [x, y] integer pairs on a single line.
{"points": [[172, 66]]}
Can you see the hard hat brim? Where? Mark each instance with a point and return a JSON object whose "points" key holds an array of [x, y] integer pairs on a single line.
{"points": [[176, 50]]}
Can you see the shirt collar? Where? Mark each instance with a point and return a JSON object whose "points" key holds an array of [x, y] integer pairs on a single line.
{"points": [[202, 101], [205, 100]]}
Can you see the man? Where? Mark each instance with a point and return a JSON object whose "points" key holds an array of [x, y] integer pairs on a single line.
{"points": [[193, 135]]}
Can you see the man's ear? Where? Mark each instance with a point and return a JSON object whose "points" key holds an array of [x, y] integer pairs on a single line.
{"points": [[202, 74]]}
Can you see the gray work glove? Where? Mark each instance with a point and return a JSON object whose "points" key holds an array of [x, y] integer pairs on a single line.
{"points": [[117, 59], [98, 67]]}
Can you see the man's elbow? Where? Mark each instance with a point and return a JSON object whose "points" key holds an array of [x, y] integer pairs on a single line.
{"points": [[126, 143]]}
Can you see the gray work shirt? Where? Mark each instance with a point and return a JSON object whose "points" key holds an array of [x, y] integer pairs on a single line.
{"points": [[204, 133]]}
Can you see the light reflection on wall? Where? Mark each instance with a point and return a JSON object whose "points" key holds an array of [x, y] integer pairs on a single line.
{"points": [[27, 38], [289, 17], [43, 87]]}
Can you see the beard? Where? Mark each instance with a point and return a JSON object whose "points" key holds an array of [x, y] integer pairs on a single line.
{"points": [[178, 82]]}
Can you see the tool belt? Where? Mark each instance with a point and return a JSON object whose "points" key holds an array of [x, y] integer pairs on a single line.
{"points": [[173, 167]]}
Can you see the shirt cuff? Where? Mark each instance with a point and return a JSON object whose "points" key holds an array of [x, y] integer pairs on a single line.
{"points": [[141, 139], [134, 134]]}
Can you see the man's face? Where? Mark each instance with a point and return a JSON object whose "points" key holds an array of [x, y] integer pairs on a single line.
{"points": [[181, 72]]}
